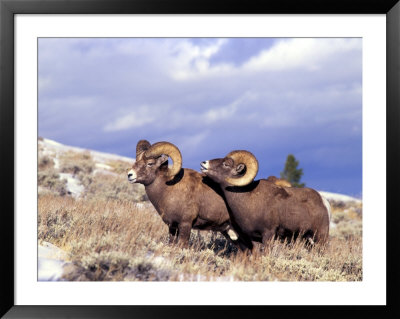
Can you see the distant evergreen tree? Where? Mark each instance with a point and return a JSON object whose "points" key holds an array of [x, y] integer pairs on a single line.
{"points": [[291, 173]]}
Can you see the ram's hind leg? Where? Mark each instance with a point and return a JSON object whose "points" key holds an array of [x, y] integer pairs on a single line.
{"points": [[322, 236], [173, 233], [267, 235]]}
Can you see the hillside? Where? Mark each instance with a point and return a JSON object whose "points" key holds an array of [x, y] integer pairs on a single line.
{"points": [[94, 225]]}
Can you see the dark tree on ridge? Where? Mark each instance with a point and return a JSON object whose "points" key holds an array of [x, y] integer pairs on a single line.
{"points": [[291, 173]]}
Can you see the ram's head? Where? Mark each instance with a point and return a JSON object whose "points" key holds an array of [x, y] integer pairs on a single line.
{"points": [[238, 168], [152, 160]]}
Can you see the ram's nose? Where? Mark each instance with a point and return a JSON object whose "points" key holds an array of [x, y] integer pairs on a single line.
{"points": [[204, 165], [132, 176]]}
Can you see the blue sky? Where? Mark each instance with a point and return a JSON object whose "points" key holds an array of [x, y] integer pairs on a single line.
{"points": [[210, 96]]}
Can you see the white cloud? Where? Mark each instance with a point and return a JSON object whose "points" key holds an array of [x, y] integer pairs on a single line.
{"points": [[191, 143], [286, 54], [306, 53], [130, 120], [228, 111], [190, 51], [194, 60], [222, 89]]}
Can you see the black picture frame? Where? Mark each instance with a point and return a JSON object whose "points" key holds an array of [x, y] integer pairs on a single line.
{"points": [[8, 8]]}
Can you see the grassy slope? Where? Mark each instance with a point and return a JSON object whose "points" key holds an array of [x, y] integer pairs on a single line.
{"points": [[110, 237]]}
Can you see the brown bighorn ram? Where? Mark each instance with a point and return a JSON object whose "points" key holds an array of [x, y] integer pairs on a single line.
{"points": [[184, 198], [263, 210]]}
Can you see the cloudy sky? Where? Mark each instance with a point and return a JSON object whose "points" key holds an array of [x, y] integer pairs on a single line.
{"points": [[210, 96]]}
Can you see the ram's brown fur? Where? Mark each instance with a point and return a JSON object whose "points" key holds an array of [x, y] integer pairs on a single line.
{"points": [[184, 201], [279, 181], [263, 210]]}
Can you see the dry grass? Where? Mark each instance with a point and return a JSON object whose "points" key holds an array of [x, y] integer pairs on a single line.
{"points": [[117, 240], [112, 233], [119, 167], [112, 187], [348, 221], [76, 163]]}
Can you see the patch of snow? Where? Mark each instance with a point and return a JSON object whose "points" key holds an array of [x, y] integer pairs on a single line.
{"points": [[51, 262], [73, 185], [56, 162], [159, 261], [103, 166], [103, 157], [46, 152], [224, 278], [48, 250], [50, 269], [340, 197], [51, 142], [141, 205]]}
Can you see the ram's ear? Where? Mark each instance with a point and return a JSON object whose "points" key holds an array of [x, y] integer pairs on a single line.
{"points": [[228, 161], [162, 159], [240, 168]]}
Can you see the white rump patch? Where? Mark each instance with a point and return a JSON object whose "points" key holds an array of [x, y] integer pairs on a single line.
{"points": [[328, 207], [232, 235]]}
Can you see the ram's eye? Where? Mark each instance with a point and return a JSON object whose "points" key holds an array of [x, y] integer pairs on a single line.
{"points": [[150, 164], [224, 164]]}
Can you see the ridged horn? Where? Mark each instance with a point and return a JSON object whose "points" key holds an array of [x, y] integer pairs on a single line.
{"points": [[141, 147], [251, 163], [169, 149]]}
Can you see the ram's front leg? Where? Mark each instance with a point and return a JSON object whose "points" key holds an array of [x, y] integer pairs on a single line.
{"points": [[184, 230]]}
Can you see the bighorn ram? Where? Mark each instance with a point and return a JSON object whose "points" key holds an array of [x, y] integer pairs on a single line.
{"points": [[184, 198], [263, 210]]}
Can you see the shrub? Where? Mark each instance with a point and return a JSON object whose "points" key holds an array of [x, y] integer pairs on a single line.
{"points": [[76, 162], [347, 229], [49, 179], [45, 162]]}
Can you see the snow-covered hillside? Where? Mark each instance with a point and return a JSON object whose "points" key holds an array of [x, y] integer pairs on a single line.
{"points": [[53, 147], [53, 150], [340, 197]]}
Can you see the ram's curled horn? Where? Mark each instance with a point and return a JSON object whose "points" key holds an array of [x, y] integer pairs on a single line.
{"points": [[169, 149], [141, 147], [251, 163]]}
